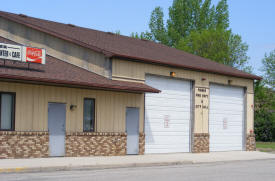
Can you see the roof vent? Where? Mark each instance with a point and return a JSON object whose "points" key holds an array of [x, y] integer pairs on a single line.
{"points": [[71, 25], [23, 15]]}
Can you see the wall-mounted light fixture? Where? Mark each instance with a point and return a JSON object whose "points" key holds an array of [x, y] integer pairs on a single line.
{"points": [[172, 74], [72, 107]]}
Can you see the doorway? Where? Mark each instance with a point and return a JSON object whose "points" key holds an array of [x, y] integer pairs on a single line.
{"points": [[132, 129], [56, 126]]}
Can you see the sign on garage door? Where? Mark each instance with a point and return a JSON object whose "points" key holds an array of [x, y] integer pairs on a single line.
{"points": [[167, 115], [226, 118]]}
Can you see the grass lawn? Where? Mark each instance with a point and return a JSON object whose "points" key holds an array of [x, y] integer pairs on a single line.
{"points": [[265, 146]]}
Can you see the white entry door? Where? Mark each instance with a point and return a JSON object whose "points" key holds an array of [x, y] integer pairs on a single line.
{"points": [[56, 125], [167, 115], [226, 118]]}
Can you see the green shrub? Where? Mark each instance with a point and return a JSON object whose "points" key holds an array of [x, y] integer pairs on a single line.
{"points": [[264, 113]]}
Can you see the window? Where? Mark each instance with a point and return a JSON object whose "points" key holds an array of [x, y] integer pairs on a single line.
{"points": [[7, 111], [89, 115]]}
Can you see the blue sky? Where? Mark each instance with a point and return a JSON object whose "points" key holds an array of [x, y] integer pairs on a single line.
{"points": [[254, 20]]}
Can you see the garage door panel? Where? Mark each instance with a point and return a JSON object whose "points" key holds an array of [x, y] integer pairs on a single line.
{"points": [[226, 110], [161, 114], [170, 108], [224, 91], [167, 133], [164, 140], [166, 150], [236, 101], [218, 135], [228, 148], [229, 108], [234, 119], [234, 139], [175, 147], [228, 118], [172, 127], [216, 129], [167, 115], [168, 102], [170, 95], [160, 121], [172, 113]]}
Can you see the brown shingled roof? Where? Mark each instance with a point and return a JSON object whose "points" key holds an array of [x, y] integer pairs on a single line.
{"points": [[58, 72], [112, 45]]}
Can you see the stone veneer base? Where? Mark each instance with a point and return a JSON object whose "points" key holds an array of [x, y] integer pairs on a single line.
{"points": [[19, 144], [200, 143], [141, 143], [95, 144], [250, 142], [16, 144]]}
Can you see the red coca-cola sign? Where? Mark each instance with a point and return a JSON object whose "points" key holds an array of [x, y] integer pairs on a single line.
{"points": [[34, 55]]}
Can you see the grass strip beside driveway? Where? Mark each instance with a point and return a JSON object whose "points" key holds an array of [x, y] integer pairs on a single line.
{"points": [[265, 146]]}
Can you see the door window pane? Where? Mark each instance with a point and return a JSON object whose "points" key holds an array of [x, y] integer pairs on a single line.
{"points": [[89, 114], [6, 111]]}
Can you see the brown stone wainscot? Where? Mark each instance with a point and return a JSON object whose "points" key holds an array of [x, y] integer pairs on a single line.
{"points": [[200, 143], [141, 143], [250, 142], [21, 144], [95, 144]]}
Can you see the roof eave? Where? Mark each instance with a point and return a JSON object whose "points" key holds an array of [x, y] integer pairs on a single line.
{"points": [[78, 84]]}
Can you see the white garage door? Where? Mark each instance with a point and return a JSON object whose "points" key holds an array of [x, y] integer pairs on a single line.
{"points": [[167, 116], [226, 118]]}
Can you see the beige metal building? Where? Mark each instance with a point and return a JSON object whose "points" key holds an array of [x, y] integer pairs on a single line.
{"points": [[106, 94]]}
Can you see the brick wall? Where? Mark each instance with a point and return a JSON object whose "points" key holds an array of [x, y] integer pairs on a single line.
{"points": [[141, 143], [14, 144], [200, 143], [250, 142], [95, 144]]}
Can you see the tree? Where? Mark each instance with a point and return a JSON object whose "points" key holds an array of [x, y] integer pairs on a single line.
{"points": [[156, 25], [216, 44], [142, 35], [269, 69], [199, 28], [264, 112], [265, 101]]}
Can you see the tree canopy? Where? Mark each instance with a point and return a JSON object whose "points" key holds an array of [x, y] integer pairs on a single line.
{"points": [[265, 100], [269, 69], [198, 27]]}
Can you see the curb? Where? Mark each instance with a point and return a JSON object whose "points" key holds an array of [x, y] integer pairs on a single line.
{"points": [[12, 170], [111, 166], [87, 167]]}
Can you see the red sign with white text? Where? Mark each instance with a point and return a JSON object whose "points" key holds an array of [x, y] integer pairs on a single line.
{"points": [[34, 55]]}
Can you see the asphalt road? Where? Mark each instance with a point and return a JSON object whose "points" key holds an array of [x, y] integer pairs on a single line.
{"points": [[233, 171]]}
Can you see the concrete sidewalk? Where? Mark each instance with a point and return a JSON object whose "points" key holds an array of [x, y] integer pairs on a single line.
{"points": [[68, 163]]}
